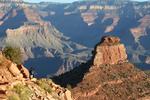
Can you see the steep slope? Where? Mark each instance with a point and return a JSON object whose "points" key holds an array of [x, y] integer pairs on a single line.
{"points": [[16, 84], [109, 77]]}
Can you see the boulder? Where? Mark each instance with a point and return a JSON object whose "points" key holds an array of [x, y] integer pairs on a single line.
{"points": [[68, 95], [14, 70]]}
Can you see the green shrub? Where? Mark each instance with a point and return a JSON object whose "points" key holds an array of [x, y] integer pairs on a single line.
{"points": [[45, 84], [123, 75], [23, 91], [14, 97], [13, 54], [69, 87], [147, 84], [147, 72], [113, 76]]}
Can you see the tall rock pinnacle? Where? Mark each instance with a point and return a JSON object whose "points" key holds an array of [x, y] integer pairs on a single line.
{"points": [[110, 51]]}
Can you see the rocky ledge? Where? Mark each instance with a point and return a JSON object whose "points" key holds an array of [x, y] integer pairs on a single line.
{"points": [[16, 84]]}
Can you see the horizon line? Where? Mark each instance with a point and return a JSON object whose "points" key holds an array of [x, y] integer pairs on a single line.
{"points": [[28, 1]]}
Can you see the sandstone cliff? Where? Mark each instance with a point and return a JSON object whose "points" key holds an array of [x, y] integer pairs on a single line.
{"points": [[110, 51], [16, 84]]}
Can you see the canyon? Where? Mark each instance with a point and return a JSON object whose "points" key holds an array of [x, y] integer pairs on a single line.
{"points": [[85, 50], [51, 32], [105, 77]]}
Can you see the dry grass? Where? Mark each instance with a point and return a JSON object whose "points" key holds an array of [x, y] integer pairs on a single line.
{"points": [[45, 84], [22, 92]]}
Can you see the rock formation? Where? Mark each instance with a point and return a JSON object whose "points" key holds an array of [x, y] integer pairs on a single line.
{"points": [[110, 51], [108, 76], [111, 77], [14, 76]]}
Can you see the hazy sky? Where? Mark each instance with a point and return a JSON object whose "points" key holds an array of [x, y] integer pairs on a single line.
{"points": [[61, 0]]}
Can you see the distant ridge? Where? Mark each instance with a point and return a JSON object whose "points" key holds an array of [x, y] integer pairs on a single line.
{"points": [[11, 1]]}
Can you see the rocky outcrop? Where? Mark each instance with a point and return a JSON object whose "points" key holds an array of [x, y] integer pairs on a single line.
{"points": [[108, 78], [9, 71], [14, 76], [110, 51], [24, 71]]}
